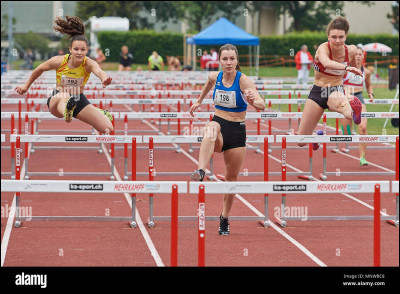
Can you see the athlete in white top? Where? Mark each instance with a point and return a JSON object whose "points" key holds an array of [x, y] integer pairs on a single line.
{"points": [[354, 85]]}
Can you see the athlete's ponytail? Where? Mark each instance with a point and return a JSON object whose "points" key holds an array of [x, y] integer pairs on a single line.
{"points": [[73, 27], [230, 47]]}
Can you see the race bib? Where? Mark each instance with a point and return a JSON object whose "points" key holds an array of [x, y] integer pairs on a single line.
{"points": [[225, 98], [355, 79], [71, 82]]}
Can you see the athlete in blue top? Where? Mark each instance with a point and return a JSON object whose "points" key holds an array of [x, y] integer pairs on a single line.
{"points": [[233, 92]]}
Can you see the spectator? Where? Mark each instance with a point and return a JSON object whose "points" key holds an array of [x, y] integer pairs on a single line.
{"points": [[173, 63], [213, 63], [187, 68], [29, 59], [156, 62], [204, 59], [126, 59], [100, 57], [303, 61]]}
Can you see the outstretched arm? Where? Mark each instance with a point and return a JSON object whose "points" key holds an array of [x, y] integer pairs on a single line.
{"points": [[52, 63], [92, 66], [212, 78], [368, 85], [323, 57]]}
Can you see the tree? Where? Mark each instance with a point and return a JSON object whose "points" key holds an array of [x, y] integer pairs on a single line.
{"points": [[196, 13], [4, 25], [311, 15], [128, 9], [33, 41], [394, 17]]}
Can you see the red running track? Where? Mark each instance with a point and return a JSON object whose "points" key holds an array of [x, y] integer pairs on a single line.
{"points": [[311, 243]]}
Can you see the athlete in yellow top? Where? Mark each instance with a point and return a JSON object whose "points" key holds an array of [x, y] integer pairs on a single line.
{"points": [[72, 72]]}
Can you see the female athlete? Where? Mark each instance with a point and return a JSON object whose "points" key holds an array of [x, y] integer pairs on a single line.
{"points": [[72, 72], [226, 133]]}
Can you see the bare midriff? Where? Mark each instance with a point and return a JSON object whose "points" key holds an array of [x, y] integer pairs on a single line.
{"points": [[231, 116], [326, 81], [70, 90]]}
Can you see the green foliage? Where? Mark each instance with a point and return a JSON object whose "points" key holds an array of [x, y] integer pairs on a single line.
{"points": [[394, 16], [141, 44], [281, 45], [33, 41], [128, 9]]}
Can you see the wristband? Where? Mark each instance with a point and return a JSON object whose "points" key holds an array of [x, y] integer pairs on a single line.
{"points": [[345, 69]]}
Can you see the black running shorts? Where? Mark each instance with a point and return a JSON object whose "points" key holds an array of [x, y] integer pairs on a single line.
{"points": [[233, 133], [81, 99], [359, 95], [320, 95]]}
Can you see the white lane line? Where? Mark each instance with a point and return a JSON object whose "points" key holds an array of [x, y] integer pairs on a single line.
{"points": [[10, 220], [139, 221], [7, 232], [369, 162], [284, 234]]}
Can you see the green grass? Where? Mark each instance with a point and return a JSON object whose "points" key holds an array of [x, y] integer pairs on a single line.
{"points": [[265, 72]]}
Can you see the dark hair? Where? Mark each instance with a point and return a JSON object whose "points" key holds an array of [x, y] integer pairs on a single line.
{"points": [[73, 27], [230, 47], [339, 23]]}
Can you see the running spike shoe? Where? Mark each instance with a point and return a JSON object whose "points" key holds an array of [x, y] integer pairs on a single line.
{"points": [[70, 106], [106, 113], [198, 175], [356, 106], [223, 226], [363, 161], [315, 146]]}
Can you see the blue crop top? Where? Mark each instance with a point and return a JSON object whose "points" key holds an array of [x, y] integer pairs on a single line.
{"points": [[229, 99]]}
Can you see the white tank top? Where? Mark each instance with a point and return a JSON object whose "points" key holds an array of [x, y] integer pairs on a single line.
{"points": [[350, 79]]}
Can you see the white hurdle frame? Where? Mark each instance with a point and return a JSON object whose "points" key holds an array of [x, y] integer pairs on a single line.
{"points": [[151, 140], [70, 186], [341, 138], [298, 188], [112, 139]]}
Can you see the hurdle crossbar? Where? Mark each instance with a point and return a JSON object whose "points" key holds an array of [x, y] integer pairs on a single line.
{"points": [[71, 186], [112, 139], [152, 172]]}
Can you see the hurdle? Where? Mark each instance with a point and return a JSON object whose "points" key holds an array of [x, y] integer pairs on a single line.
{"points": [[361, 139], [322, 139], [196, 139], [335, 139], [18, 139], [376, 187], [140, 187]]}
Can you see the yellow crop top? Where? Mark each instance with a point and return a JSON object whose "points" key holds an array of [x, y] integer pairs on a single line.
{"points": [[67, 77]]}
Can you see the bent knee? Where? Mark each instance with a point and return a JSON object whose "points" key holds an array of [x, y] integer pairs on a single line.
{"points": [[108, 129], [211, 130], [105, 129], [337, 102], [362, 130]]}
